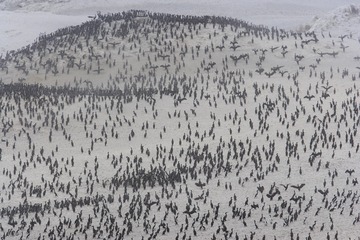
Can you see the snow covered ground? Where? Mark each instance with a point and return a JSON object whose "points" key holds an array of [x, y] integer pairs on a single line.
{"points": [[156, 128], [171, 129], [22, 21], [19, 29], [343, 20]]}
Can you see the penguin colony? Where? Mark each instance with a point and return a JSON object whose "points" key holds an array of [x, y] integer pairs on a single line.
{"points": [[142, 125]]}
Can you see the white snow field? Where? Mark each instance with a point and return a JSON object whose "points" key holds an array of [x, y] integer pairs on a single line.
{"points": [[141, 125], [19, 29], [343, 20], [21, 21]]}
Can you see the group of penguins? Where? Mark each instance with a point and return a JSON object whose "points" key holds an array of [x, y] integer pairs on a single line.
{"points": [[141, 125]]}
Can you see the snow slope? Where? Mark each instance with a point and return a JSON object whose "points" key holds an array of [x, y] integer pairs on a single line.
{"points": [[204, 130], [19, 29], [20, 22], [343, 20]]}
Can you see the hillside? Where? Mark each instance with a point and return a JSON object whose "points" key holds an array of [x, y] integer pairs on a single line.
{"points": [[343, 20], [23, 20], [141, 125]]}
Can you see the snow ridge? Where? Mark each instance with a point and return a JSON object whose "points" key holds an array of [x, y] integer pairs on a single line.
{"points": [[343, 20]]}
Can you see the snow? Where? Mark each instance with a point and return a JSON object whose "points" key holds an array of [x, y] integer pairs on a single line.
{"points": [[21, 22], [19, 29], [343, 20], [228, 119]]}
